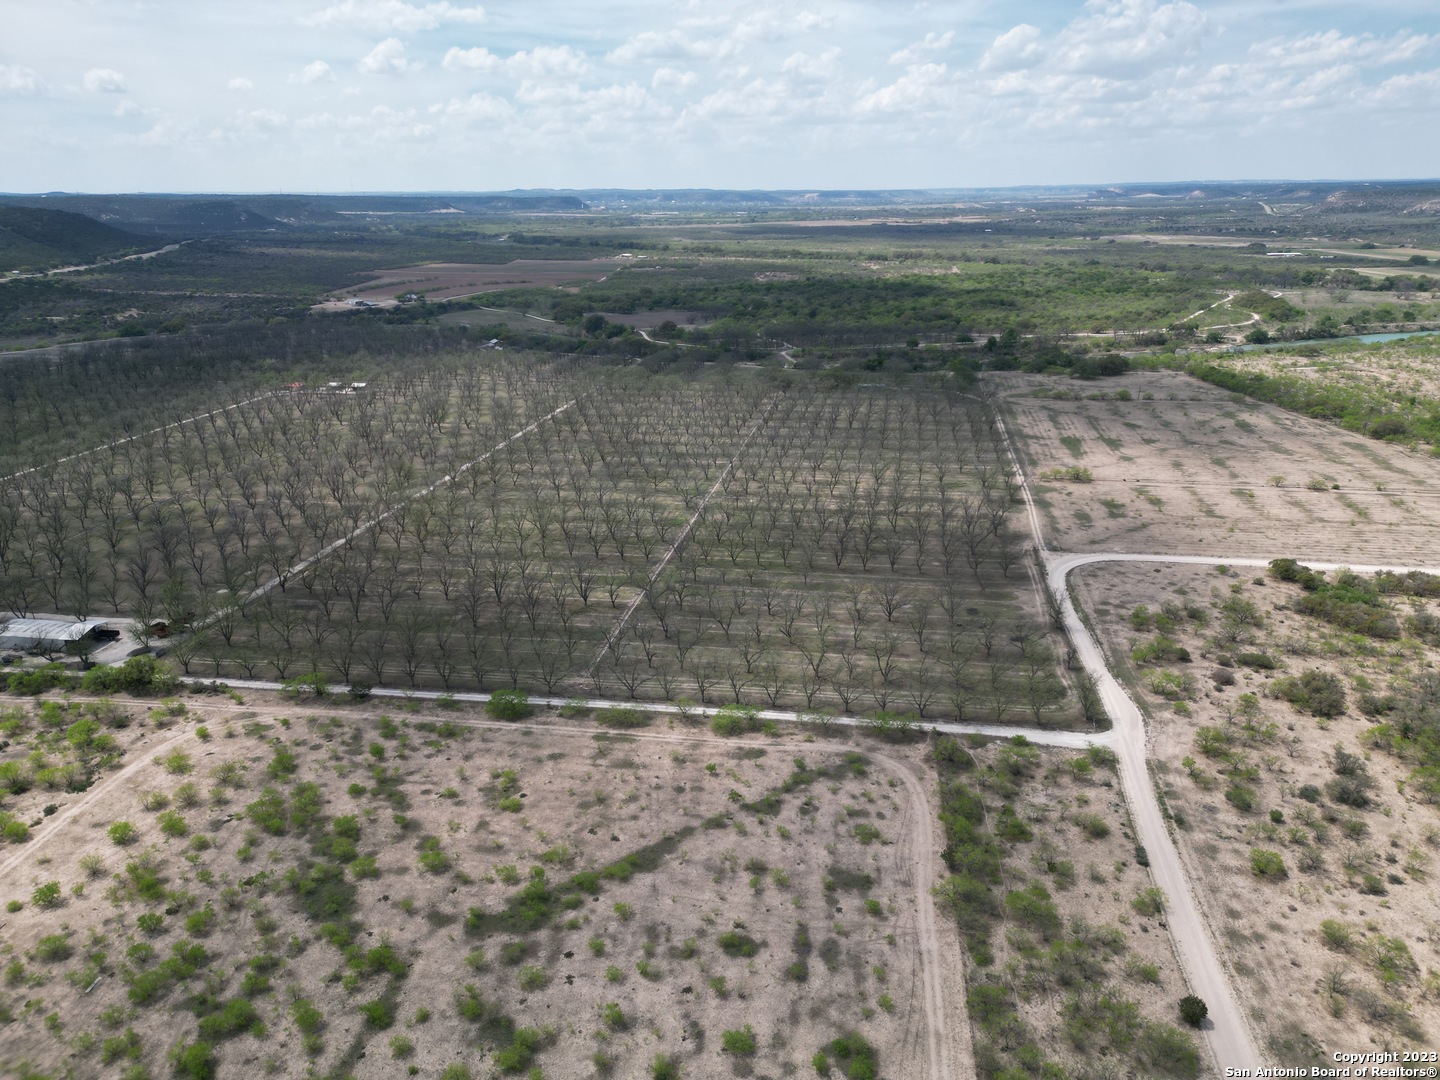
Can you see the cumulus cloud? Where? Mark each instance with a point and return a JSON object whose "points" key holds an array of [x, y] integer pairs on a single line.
{"points": [[481, 107], [714, 37], [918, 52], [241, 84], [104, 81], [18, 81], [313, 72], [1333, 47], [387, 58], [542, 61], [1113, 39], [1018, 47], [923, 87], [809, 66], [670, 45], [393, 16], [669, 78]]}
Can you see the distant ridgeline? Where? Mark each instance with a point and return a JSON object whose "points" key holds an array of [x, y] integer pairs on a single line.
{"points": [[188, 216], [37, 239]]}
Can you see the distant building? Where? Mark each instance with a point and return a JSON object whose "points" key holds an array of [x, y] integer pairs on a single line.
{"points": [[22, 635]]}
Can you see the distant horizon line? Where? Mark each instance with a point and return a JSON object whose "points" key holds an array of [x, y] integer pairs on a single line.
{"points": [[922, 190]]}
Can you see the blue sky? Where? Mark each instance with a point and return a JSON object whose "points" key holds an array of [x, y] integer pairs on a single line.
{"points": [[339, 95]]}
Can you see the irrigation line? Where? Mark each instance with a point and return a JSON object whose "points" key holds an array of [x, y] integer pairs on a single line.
{"points": [[364, 527], [141, 435], [619, 627]]}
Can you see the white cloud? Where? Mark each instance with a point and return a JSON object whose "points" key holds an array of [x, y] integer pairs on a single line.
{"points": [[542, 61], [807, 66], [1333, 47], [313, 72], [669, 45], [1419, 90], [922, 88], [933, 43], [167, 131], [104, 81], [393, 15], [241, 84], [18, 81], [387, 58], [1018, 47], [483, 107], [669, 78], [714, 37]]}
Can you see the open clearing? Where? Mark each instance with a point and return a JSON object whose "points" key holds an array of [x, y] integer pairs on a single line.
{"points": [[1337, 949], [445, 281], [1185, 468], [324, 884]]}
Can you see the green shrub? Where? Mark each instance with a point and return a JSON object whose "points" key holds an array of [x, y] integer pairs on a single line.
{"points": [[1317, 692], [737, 720], [525, 1043], [47, 895], [137, 675], [508, 705], [1241, 797], [738, 943], [1266, 864], [379, 1014], [235, 1016], [53, 948], [195, 1061], [741, 1042], [35, 681], [123, 833], [622, 717], [855, 1056], [432, 859], [1336, 934], [1149, 901]]}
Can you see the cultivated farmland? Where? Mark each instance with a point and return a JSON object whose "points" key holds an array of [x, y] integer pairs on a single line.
{"points": [[504, 522], [1163, 463]]}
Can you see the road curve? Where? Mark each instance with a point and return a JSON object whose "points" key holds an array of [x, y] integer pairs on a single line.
{"points": [[1226, 1031]]}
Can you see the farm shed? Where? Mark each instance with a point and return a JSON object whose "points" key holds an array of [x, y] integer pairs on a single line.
{"points": [[23, 634]]}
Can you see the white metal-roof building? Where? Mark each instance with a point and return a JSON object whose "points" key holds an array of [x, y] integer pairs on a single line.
{"points": [[54, 633]]}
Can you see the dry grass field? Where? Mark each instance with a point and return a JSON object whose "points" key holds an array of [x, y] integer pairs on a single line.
{"points": [[1184, 468], [332, 890], [1336, 946], [445, 281]]}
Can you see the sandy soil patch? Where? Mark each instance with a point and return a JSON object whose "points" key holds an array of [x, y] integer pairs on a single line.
{"points": [[769, 882], [1186, 468], [446, 281], [1307, 995], [1084, 970]]}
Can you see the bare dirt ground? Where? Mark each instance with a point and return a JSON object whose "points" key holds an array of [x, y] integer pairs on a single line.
{"points": [[844, 847], [1104, 943], [1186, 468], [1307, 995], [445, 281], [1394, 369]]}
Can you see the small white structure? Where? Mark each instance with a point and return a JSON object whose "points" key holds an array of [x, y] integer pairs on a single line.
{"points": [[55, 634]]}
